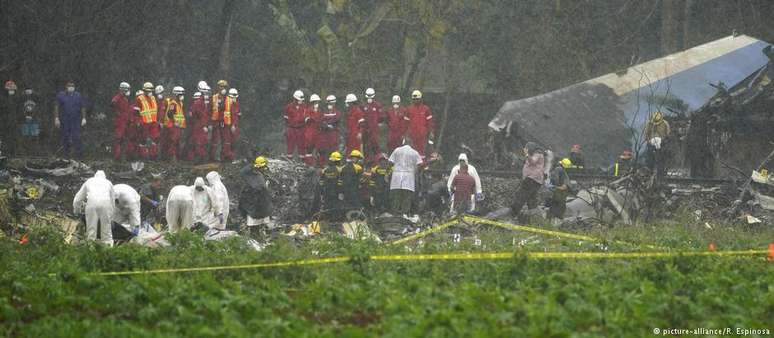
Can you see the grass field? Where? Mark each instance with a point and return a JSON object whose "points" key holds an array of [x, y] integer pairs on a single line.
{"points": [[46, 289]]}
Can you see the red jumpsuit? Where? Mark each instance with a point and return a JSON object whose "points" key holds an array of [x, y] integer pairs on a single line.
{"points": [[174, 126], [200, 116], [147, 108], [328, 135], [396, 122], [373, 115], [311, 129], [420, 124], [230, 132], [355, 123], [294, 115], [122, 129], [216, 122]]}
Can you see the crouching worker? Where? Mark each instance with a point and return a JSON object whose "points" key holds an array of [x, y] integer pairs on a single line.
{"points": [[206, 207], [126, 212], [95, 199], [255, 199], [179, 208]]}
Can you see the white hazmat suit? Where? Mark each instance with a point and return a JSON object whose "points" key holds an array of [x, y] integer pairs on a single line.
{"points": [[180, 208], [206, 207], [213, 180], [95, 198], [127, 206], [472, 172]]}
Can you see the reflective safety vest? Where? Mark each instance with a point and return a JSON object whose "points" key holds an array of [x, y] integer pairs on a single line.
{"points": [[178, 117], [215, 106], [227, 110], [148, 109]]}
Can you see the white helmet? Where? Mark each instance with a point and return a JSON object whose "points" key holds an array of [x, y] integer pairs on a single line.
{"points": [[197, 95], [139, 92], [331, 99], [178, 90], [124, 86], [396, 99], [203, 86], [314, 98], [298, 95], [416, 94], [369, 93], [159, 89], [233, 93], [350, 98]]}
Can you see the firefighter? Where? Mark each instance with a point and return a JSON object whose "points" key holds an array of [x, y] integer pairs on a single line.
{"points": [[231, 115], [122, 115], [174, 122], [294, 115], [350, 180], [378, 184], [624, 164], [355, 123], [420, 123], [329, 182], [217, 123], [312, 120], [147, 110], [372, 111], [328, 134], [200, 119], [396, 122]]}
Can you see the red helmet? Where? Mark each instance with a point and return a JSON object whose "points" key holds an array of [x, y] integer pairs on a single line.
{"points": [[627, 154], [576, 148], [10, 85]]}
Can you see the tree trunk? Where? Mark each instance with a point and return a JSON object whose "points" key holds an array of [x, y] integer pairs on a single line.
{"points": [[668, 27], [687, 24], [225, 50]]}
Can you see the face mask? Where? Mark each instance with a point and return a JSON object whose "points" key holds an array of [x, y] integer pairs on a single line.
{"points": [[316, 106], [160, 96], [346, 105], [222, 92], [28, 91], [70, 89], [181, 97], [148, 93], [396, 106], [11, 92], [199, 188], [370, 100], [126, 92], [330, 107]]}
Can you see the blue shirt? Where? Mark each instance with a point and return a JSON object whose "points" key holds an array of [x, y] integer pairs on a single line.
{"points": [[69, 105]]}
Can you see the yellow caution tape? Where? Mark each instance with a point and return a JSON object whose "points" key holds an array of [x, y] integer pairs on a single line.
{"points": [[450, 257], [560, 234], [426, 232]]}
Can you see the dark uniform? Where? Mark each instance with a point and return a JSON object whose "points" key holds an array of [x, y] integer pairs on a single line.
{"points": [[349, 183], [379, 187], [329, 185]]}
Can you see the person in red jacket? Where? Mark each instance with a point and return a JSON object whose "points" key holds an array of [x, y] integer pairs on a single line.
{"points": [[217, 125], [355, 124], [373, 115], [122, 115], [295, 116], [174, 122], [328, 132], [231, 115], [313, 117], [463, 186], [200, 120], [146, 106], [396, 123], [420, 122]]}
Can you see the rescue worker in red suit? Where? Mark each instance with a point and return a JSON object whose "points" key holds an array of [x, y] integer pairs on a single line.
{"points": [[216, 124], [396, 122], [231, 115], [372, 110], [420, 123], [328, 132], [122, 116], [312, 119], [355, 124], [147, 110], [295, 116], [200, 120], [174, 122]]}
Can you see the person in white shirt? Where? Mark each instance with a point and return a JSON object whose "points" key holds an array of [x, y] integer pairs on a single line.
{"points": [[405, 161]]}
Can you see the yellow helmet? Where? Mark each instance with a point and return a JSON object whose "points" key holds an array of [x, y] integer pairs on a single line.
{"points": [[335, 156], [356, 153], [222, 83], [147, 86], [416, 94], [260, 162], [657, 116], [565, 162]]}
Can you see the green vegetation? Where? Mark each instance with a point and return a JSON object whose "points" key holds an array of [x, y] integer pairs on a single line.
{"points": [[46, 289]]}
